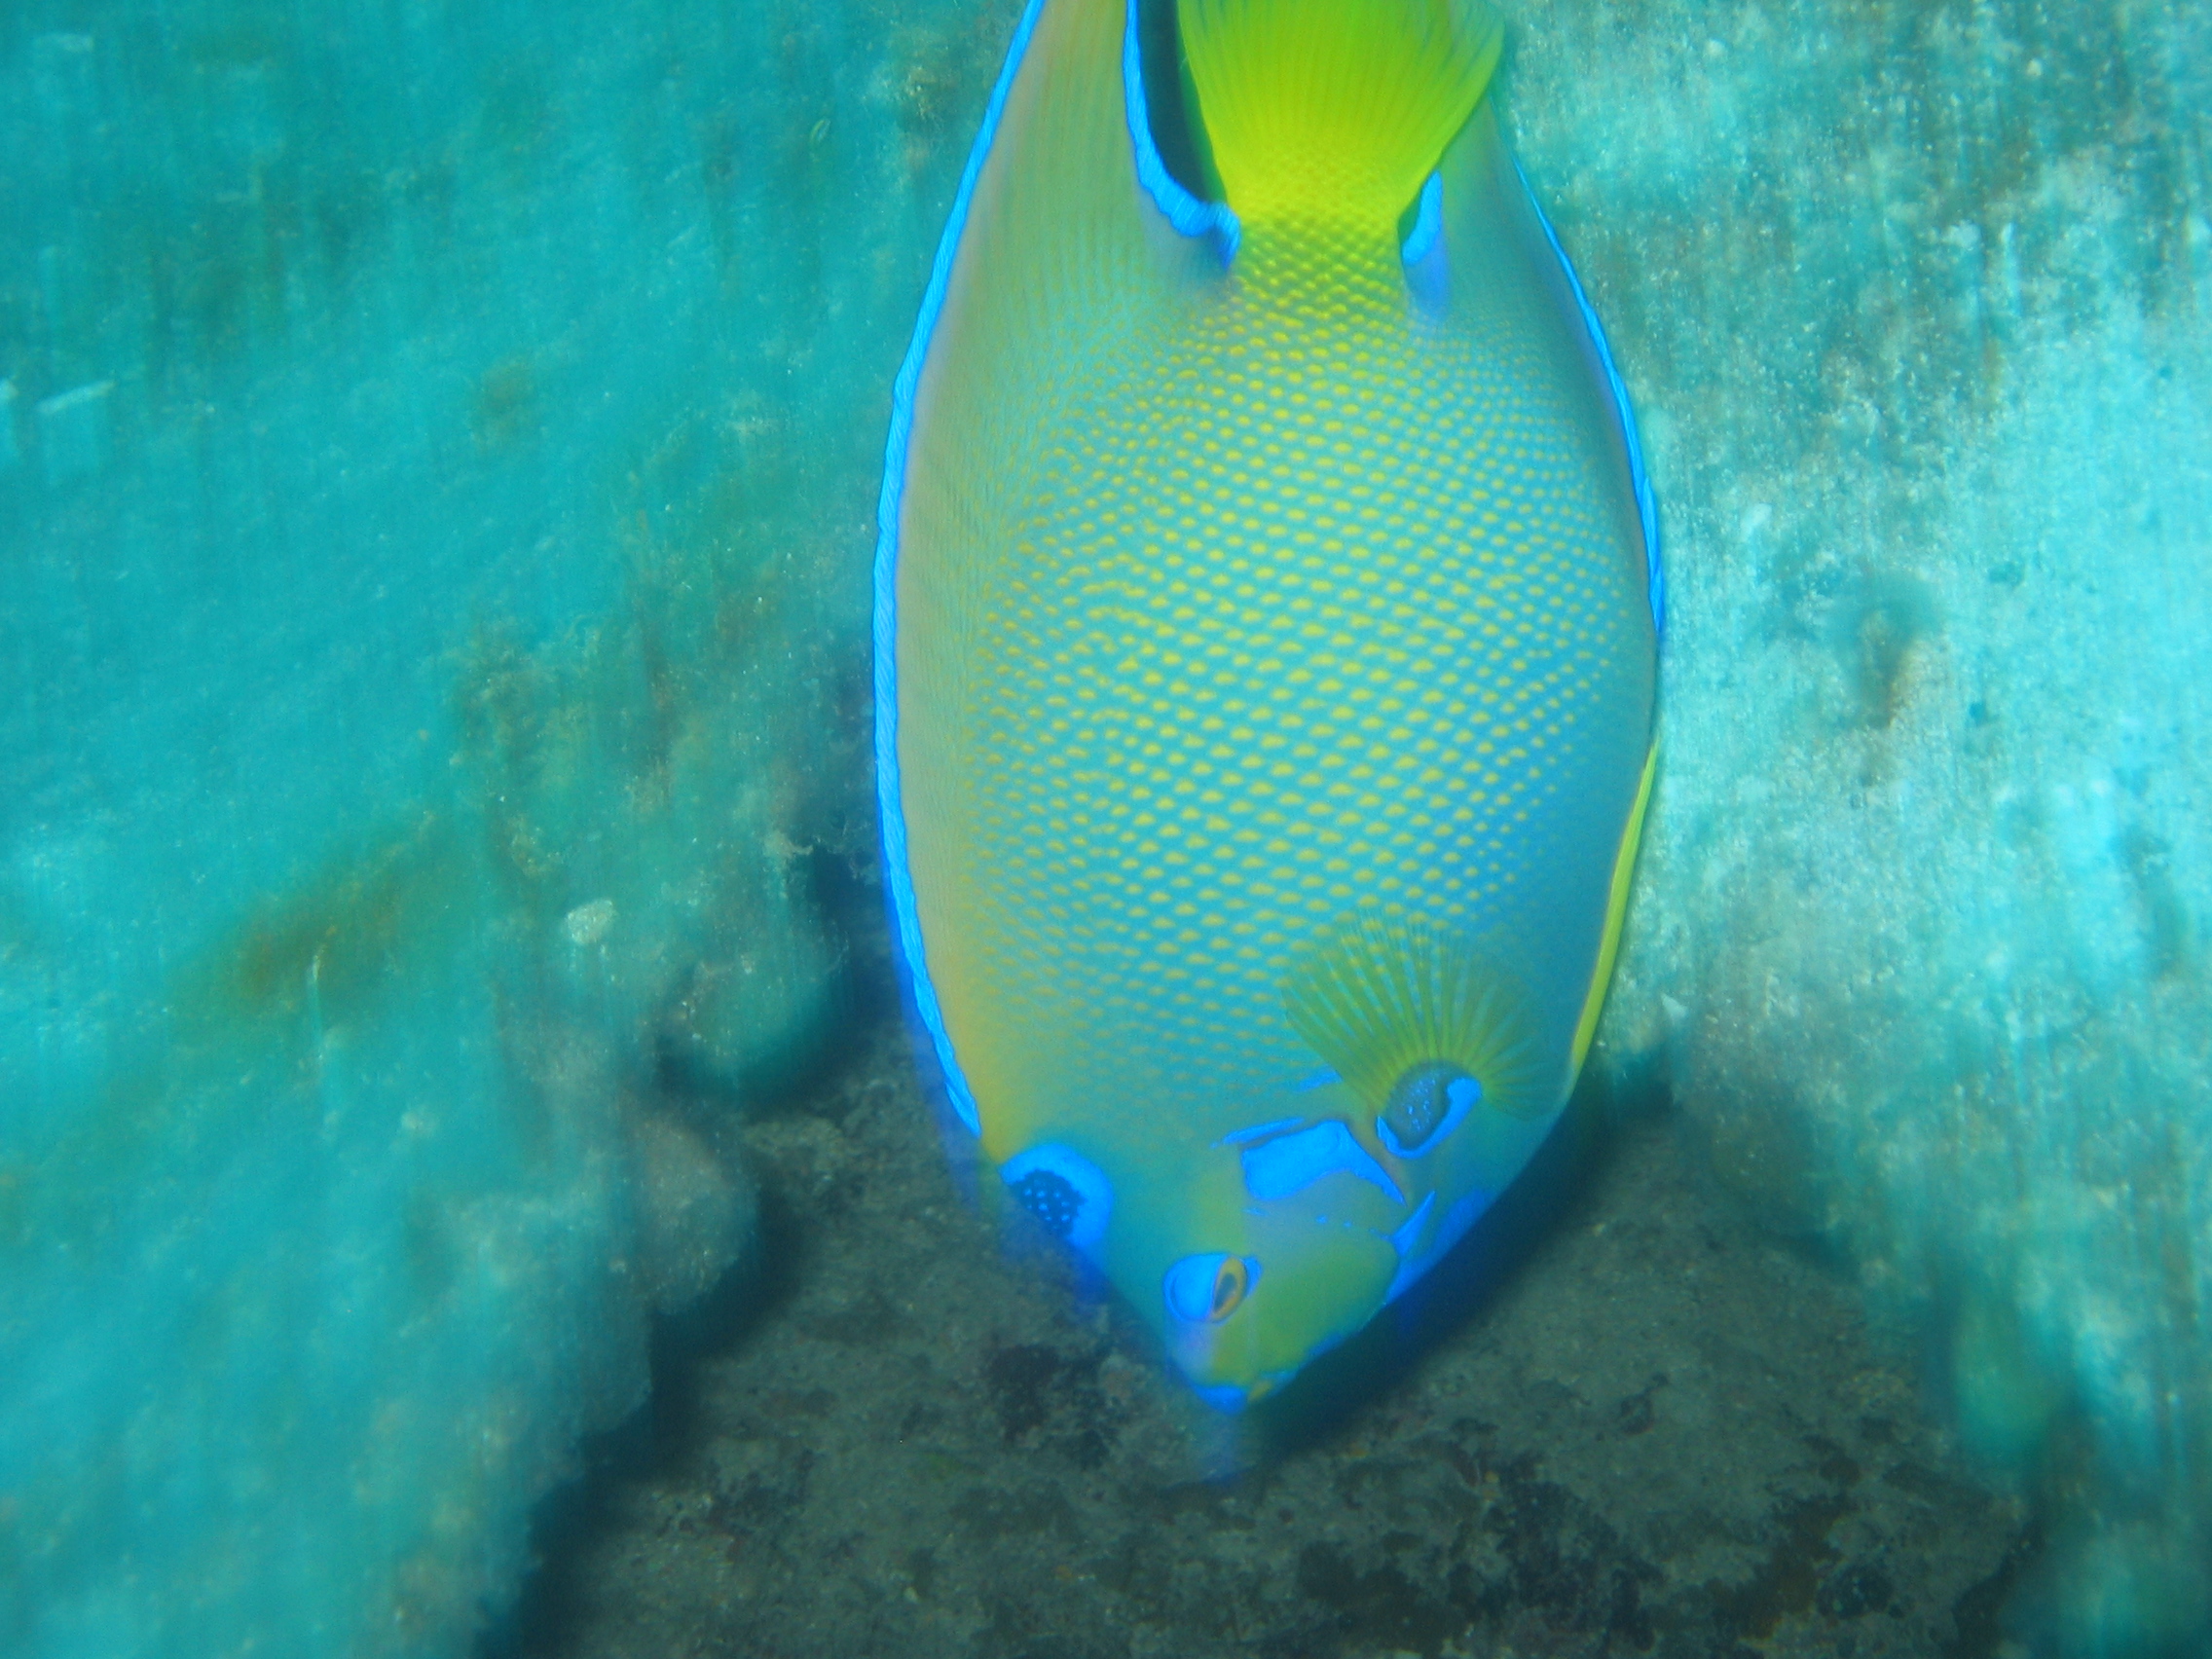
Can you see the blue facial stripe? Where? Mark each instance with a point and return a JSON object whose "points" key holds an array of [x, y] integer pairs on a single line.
{"points": [[1647, 506], [898, 880], [1067, 1193], [1428, 221], [1463, 1092], [1290, 1163], [1258, 1131], [1185, 211], [1404, 1239]]}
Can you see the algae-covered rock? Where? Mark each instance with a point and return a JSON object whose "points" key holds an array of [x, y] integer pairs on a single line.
{"points": [[434, 449], [1915, 300]]}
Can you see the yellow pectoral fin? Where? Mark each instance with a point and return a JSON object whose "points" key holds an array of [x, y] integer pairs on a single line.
{"points": [[1616, 909], [1383, 998]]}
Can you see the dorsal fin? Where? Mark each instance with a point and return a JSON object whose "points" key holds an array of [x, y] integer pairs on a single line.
{"points": [[1334, 108]]}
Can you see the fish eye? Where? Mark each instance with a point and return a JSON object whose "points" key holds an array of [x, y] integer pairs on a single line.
{"points": [[1206, 1289], [1427, 1101], [1230, 1282]]}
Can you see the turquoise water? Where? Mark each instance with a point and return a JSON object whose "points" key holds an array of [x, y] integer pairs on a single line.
{"points": [[438, 450]]}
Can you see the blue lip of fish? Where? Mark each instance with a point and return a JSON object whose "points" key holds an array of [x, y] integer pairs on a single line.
{"points": [[1266, 615]]}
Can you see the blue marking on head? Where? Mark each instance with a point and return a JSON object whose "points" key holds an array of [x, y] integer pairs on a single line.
{"points": [[1460, 1093], [1069, 1195], [898, 880], [1258, 1131], [1290, 1163], [1185, 211], [1404, 1239], [1428, 221], [1647, 506]]}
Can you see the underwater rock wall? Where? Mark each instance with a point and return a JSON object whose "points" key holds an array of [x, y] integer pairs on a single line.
{"points": [[437, 457], [437, 446], [1916, 301]]}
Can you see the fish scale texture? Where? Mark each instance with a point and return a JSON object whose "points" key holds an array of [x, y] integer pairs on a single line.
{"points": [[1317, 610]]}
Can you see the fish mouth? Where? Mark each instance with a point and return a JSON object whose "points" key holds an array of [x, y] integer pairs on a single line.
{"points": [[1229, 1398]]}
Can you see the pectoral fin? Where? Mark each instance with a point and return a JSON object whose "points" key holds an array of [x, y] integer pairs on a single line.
{"points": [[1408, 1015]]}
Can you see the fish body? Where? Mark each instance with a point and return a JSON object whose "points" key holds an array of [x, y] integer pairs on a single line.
{"points": [[1266, 614]]}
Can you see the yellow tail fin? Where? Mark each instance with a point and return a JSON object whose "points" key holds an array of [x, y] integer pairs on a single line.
{"points": [[1335, 109]]}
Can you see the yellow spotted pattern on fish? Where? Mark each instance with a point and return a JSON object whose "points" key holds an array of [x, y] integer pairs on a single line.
{"points": [[1266, 652]]}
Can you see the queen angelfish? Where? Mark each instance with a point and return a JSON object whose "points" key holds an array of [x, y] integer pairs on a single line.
{"points": [[1266, 615]]}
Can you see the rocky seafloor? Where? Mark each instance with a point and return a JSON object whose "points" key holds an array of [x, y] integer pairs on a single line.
{"points": [[1625, 1420]]}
